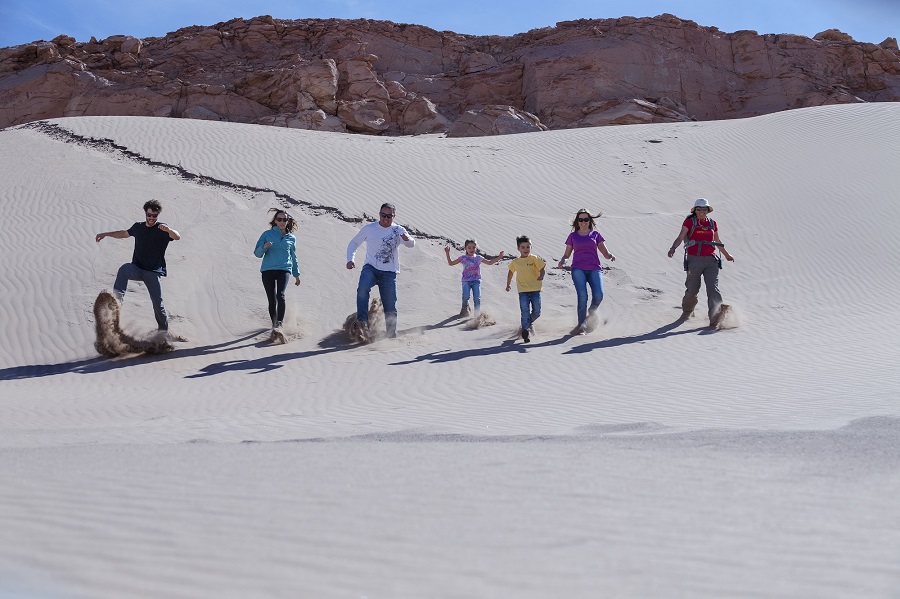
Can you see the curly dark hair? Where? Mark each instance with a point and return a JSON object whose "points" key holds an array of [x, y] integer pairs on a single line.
{"points": [[152, 205]]}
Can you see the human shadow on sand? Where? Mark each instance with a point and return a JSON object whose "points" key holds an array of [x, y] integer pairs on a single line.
{"points": [[102, 364], [260, 365], [662, 332], [509, 345]]}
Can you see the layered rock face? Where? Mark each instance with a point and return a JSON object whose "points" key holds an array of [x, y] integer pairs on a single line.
{"points": [[381, 78]]}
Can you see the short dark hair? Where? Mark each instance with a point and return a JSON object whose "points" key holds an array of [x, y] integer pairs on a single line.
{"points": [[388, 205], [522, 239], [153, 205]]}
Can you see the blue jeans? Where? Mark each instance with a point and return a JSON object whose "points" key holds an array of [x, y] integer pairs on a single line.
{"points": [[583, 278], [530, 307], [387, 288], [475, 288], [132, 272]]}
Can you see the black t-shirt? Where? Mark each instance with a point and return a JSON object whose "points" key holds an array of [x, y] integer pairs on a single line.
{"points": [[149, 247]]}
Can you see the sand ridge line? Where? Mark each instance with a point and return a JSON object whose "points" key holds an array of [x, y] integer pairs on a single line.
{"points": [[110, 146]]}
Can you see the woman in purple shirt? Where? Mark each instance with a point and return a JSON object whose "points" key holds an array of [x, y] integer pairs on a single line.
{"points": [[587, 244]]}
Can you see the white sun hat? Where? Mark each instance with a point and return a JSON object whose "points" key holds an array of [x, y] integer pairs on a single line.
{"points": [[701, 203]]}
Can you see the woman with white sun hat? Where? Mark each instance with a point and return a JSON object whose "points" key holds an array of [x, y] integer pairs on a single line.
{"points": [[700, 235]]}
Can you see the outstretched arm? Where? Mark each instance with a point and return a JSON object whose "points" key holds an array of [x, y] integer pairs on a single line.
{"points": [[494, 260], [115, 234], [453, 262]]}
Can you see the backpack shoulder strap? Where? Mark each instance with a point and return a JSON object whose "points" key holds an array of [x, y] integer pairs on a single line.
{"points": [[688, 242]]}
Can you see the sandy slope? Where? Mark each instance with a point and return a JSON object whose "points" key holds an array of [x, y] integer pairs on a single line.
{"points": [[594, 455]]}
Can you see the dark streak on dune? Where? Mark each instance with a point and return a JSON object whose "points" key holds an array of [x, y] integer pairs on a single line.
{"points": [[107, 145]]}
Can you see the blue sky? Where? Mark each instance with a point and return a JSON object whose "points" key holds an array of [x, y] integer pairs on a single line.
{"points": [[23, 21]]}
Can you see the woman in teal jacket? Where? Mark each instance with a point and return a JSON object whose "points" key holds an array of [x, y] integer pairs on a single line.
{"points": [[277, 248]]}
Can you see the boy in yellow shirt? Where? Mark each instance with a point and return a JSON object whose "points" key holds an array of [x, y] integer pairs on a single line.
{"points": [[529, 271]]}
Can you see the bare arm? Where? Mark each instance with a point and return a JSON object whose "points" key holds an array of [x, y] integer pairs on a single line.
{"points": [[568, 252], [725, 253], [677, 242], [606, 253], [509, 277], [494, 260], [453, 262], [173, 234], [114, 234], [542, 273]]}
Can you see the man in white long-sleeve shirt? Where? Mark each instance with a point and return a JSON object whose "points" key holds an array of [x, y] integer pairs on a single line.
{"points": [[382, 264]]}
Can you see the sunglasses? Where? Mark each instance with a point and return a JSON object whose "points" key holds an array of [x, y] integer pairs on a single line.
{"points": [[584, 220], [281, 220], [383, 215], [703, 209], [152, 214]]}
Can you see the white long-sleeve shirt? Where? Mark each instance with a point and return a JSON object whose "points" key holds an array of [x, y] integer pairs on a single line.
{"points": [[381, 245]]}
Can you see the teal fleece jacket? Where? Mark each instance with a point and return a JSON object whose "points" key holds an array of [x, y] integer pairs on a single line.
{"points": [[281, 255]]}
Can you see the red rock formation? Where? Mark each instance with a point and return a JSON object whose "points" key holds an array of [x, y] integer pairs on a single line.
{"points": [[378, 77]]}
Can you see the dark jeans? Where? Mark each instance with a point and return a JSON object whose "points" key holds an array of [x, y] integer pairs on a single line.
{"points": [[132, 272], [275, 282]]}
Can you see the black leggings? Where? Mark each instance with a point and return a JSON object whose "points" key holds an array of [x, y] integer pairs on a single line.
{"points": [[275, 282]]}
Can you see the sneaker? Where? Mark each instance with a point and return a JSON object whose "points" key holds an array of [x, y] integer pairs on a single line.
{"points": [[465, 311], [580, 330], [525, 336]]}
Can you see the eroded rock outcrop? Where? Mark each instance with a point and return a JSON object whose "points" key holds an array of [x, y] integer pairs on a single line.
{"points": [[383, 78], [495, 120]]}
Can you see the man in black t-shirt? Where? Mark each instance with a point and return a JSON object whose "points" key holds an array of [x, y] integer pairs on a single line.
{"points": [[148, 263]]}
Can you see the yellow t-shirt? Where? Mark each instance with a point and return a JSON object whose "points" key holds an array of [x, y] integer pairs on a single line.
{"points": [[527, 272]]}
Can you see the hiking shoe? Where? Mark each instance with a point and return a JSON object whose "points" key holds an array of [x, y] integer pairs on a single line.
{"points": [[362, 329], [525, 336]]}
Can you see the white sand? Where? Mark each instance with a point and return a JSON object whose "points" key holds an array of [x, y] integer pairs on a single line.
{"points": [[645, 459]]}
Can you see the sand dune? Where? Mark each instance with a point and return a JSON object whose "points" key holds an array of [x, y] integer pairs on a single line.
{"points": [[649, 458]]}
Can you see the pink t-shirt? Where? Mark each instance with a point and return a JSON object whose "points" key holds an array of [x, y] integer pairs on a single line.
{"points": [[585, 254]]}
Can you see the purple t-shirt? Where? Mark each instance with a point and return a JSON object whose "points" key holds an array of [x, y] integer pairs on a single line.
{"points": [[585, 254], [471, 267]]}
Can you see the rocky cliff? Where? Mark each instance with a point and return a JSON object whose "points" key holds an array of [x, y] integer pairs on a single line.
{"points": [[378, 77]]}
